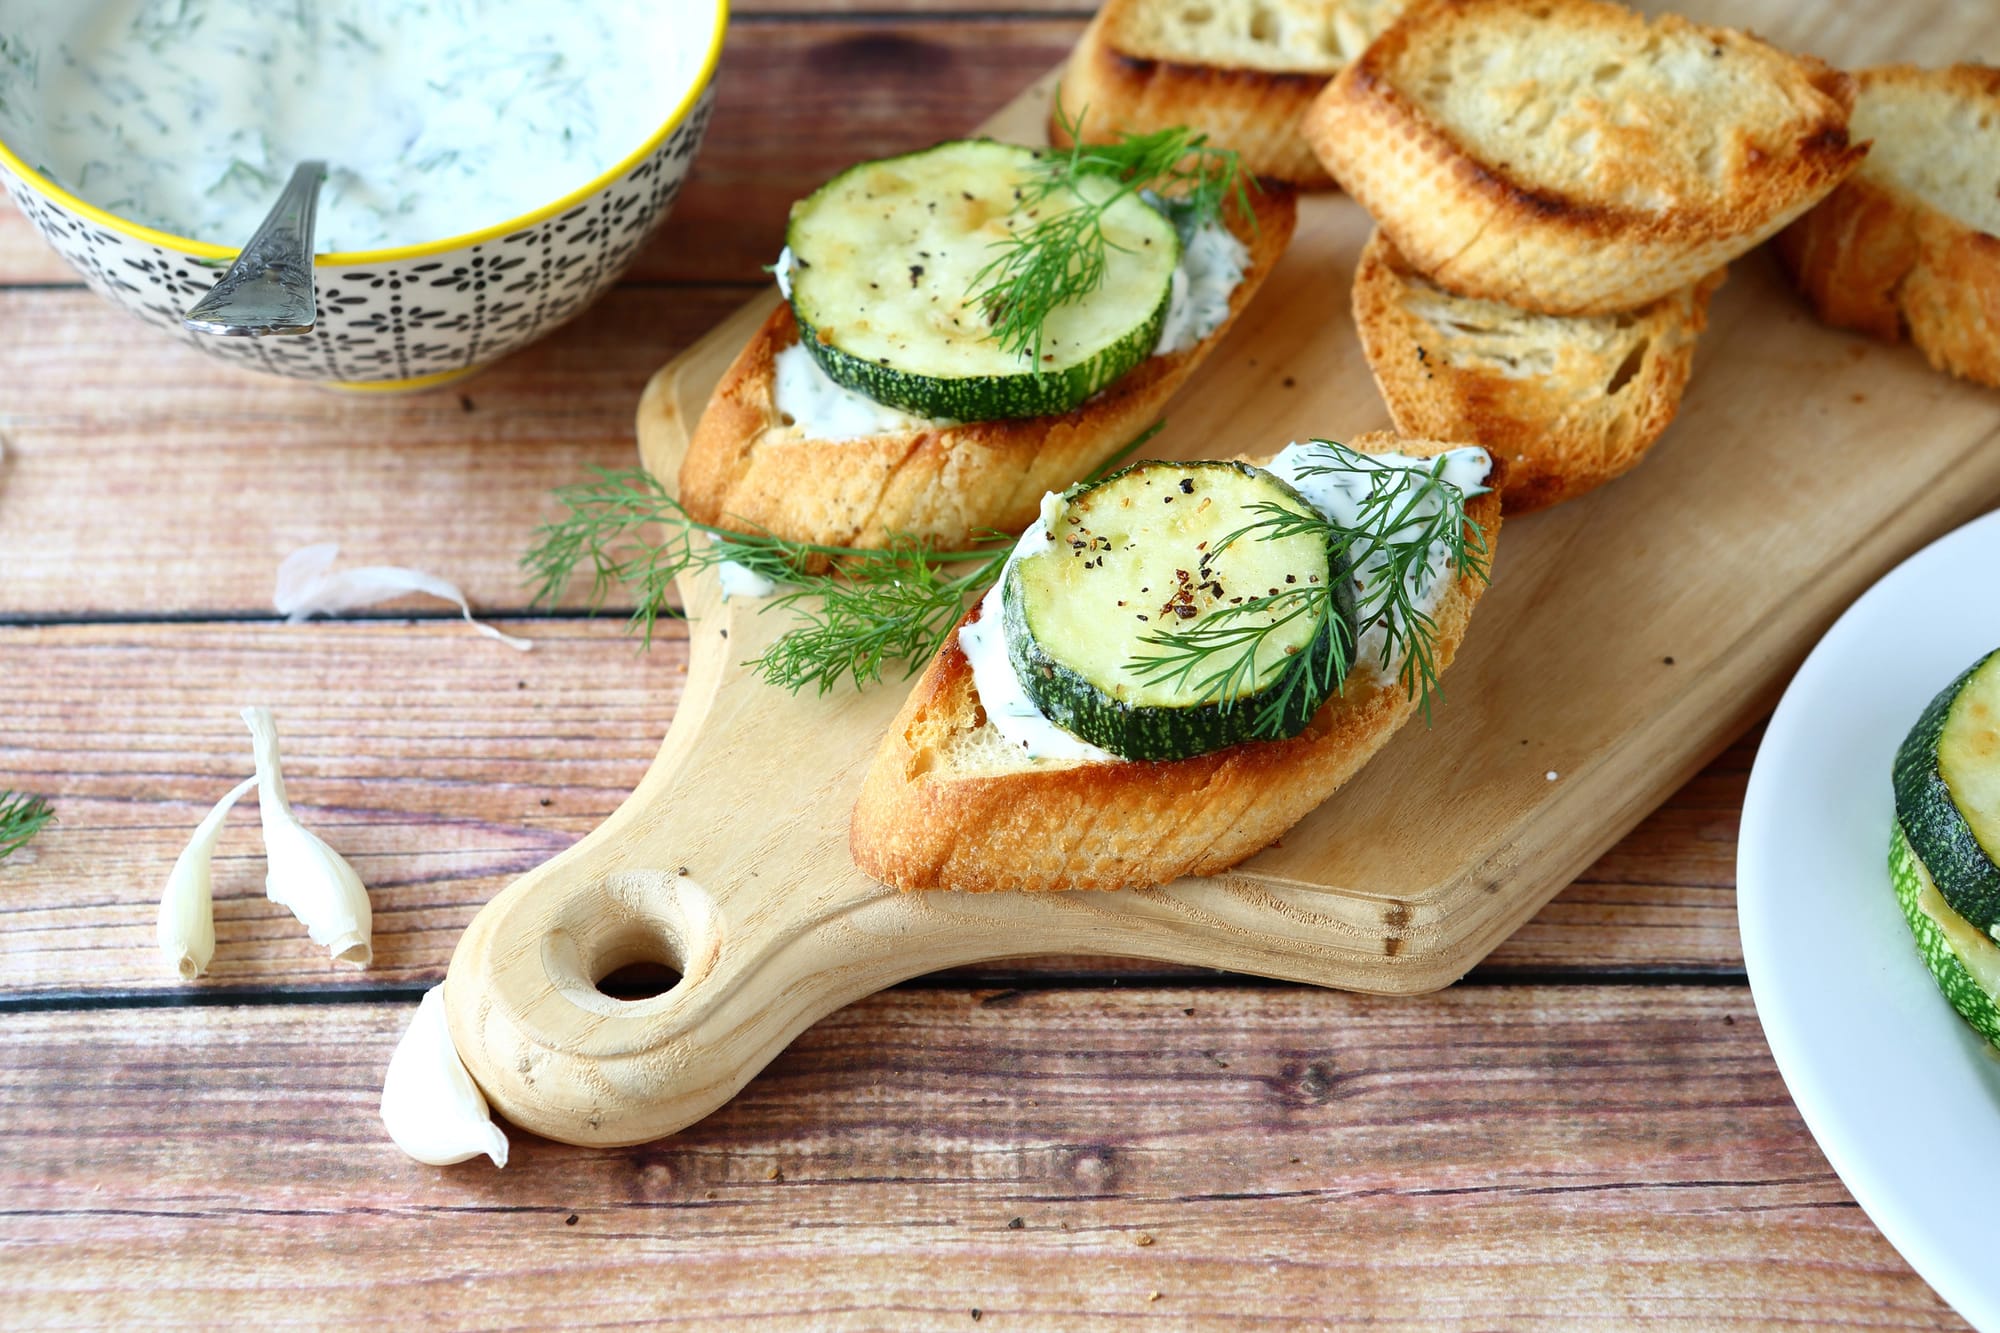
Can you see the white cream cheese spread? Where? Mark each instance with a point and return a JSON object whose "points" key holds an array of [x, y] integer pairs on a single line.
{"points": [[1008, 708], [1211, 268], [806, 397], [1337, 495], [739, 580]]}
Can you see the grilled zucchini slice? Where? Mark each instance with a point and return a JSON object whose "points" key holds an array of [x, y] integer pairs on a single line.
{"points": [[1141, 554], [884, 259], [1947, 783], [1965, 962]]}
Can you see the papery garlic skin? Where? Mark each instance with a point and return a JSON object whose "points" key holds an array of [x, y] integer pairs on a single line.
{"points": [[431, 1106], [187, 908], [305, 875], [307, 587]]}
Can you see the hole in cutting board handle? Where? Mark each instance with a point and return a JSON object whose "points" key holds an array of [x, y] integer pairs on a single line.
{"points": [[643, 980], [640, 961]]}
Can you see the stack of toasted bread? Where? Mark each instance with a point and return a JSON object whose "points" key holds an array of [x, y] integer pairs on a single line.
{"points": [[1243, 71], [1557, 186]]}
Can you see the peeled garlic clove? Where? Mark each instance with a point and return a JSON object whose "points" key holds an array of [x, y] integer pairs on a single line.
{"points": [[187, 908], [305, 875], [431, 1106]]}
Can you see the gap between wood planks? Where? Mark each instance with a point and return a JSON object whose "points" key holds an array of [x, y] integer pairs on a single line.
{"points": [[1004, 985]]}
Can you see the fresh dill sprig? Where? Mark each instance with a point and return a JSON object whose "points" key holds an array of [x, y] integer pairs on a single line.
{"points": [[21, 817], [862, 610], [1046, 262], [887, 607], [1410, 530], [1224, 650]]}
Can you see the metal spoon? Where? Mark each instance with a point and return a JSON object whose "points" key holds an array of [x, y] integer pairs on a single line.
{"points": [[269, 289]]}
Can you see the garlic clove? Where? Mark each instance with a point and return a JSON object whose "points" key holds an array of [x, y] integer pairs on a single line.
{"points": [[187, 908], [430, 1105], [321, 889], [305, 875]]}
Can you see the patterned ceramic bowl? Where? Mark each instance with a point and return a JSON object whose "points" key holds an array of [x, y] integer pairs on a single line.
{"points": [[405, 318]]}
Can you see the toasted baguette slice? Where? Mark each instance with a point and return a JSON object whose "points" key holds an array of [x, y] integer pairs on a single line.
{"points": [[949, 804], [1243, 71], [1570, 401], [746, 468], [1568, 157], [1912, 239]]}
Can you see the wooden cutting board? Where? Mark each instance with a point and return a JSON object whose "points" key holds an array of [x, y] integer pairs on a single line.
{"points": [[1626, 639]]}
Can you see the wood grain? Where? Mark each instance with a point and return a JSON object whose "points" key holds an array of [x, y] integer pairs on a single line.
{"points": [[139, 478], [1494, 1165], [1553, 1157], [441, 763], [425, 752]]}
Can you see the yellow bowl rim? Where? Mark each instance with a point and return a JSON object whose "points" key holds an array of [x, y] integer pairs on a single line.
{"points": [[346, 258]]}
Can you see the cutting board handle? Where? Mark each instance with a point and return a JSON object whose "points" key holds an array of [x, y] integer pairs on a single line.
{"points": [[700, 870]]}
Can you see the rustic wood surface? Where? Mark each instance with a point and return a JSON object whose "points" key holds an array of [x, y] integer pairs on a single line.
{"points": [[1588, 1132], [1516, 1156]]}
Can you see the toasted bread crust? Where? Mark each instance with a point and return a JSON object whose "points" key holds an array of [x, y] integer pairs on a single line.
{"points": [[1255, 112], [745, 469], [1479, 229], [1125, 824], [1562, 431], [1877, 259]]}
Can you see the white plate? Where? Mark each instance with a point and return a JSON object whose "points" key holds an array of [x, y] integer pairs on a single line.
{"points": [[1903, 1097]]}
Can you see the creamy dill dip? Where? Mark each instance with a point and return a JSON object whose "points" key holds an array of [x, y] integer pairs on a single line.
{"points": [[437, 117]]}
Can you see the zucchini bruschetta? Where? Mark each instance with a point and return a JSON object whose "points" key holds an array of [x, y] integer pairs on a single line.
{"points": [[1177, 663], [969, 326], [1944, 859]]}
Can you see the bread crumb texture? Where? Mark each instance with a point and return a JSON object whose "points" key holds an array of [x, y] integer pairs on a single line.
{"points": [[1279, 36]]}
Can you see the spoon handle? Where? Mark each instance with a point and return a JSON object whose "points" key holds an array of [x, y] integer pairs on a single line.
{"points": [[269, 289]]}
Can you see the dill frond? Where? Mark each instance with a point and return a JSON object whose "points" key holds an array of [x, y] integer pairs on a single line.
{"points": [[1410, 530], [1062, 257], [21, 817]]}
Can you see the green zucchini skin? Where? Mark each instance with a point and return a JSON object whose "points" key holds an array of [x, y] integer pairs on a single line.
{"points": [[1937, 829], [1966, 995], [987, 397], [1178, 730], [884, 257]]}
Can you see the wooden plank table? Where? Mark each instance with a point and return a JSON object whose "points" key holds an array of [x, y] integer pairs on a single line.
{"points": [[1589, 1130]]}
